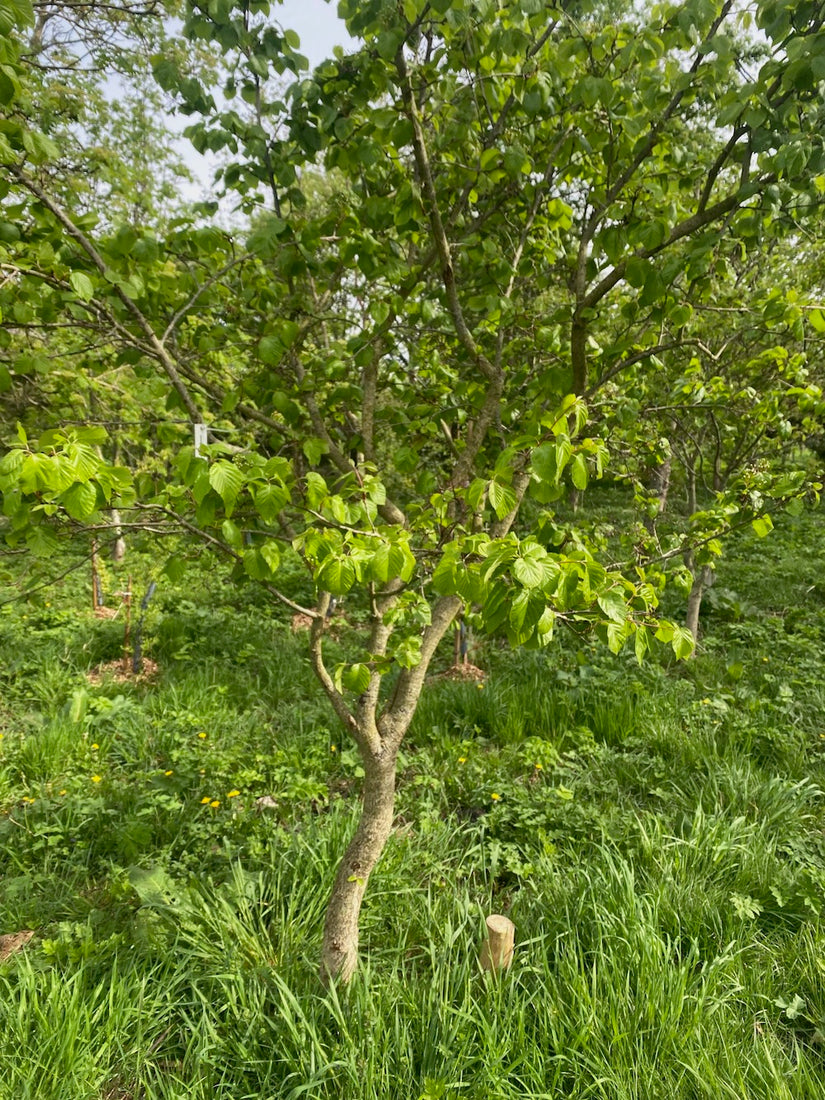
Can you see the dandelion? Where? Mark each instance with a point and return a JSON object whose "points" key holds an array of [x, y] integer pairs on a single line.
{"points": [[496, 797], [202, 735], [95, 747], [214, 804], [169, 772], [462, 759], [205, 800], [705, 702], [333, 748], [25, 799], [61, 792], [97, 778], [479, 686], [538, 767], [233, 794]]}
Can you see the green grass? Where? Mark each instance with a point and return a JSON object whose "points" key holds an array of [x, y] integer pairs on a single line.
{"points": [[657, 835]]}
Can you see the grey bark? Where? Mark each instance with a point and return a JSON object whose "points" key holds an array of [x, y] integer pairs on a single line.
{"points": [[702, 579], [339, 954], [119, 544]]}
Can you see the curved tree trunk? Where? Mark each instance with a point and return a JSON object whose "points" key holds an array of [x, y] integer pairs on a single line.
{"points": [[339, 952]]}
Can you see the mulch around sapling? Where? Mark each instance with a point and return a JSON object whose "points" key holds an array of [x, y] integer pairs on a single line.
{"points": [[118, 673], [468, 672], [15, 941]]}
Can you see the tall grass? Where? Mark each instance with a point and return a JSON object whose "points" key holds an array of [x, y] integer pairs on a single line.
{"points": [[656, 835]]}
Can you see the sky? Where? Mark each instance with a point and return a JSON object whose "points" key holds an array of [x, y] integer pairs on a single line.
{"points": [[317, 23]]}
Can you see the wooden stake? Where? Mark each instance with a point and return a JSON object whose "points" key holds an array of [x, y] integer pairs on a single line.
{"points": [[127, 600], [497, 949], [95, 578]]}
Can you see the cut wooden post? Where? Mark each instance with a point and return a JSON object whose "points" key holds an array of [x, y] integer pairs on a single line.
{"points": [[497, 949]]}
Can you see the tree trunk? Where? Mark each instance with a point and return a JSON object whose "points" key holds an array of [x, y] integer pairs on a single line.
{"points": [[119, 544], [339, 953], [578, 354], [659, 483], [692, 505], [701, 580]]}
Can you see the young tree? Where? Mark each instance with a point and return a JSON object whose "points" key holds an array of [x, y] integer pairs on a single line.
{"points": [[442, 225]]}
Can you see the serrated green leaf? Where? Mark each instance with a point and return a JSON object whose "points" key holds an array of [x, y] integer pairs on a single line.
{"points": [[227, 481], [81, 500], [337, 574], [502, 498], [617, 636], [613, 605], [356, 678], [529, 572], [82, 285], [683, 642]]}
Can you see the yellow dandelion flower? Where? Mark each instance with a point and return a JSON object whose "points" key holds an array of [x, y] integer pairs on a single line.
{"points": [[61, 792], [496, 797], [462, 759], [169, 772], [202, 736], [205, 800], [1, 736], [95, 746], [97, 778], [333, 748], [214, 803], [479, 686], [538, 767], [233, 794]]}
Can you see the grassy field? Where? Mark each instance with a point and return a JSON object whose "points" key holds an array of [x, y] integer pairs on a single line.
{"points": [[655, 833]]}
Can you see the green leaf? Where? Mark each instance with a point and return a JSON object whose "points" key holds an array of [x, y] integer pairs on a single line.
{"points": [[232, 534], [817, 319], [528, 572], [617, 634], [683, 642], [82, 285], [227, 481], [337, 574], [357, 678], [314, 449], [762, 525], [81, 500], [502, 498], [271, 554], [578, 471], [613, 605]]}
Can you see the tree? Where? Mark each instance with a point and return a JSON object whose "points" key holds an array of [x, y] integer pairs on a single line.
{"points": [[445, 227]]}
